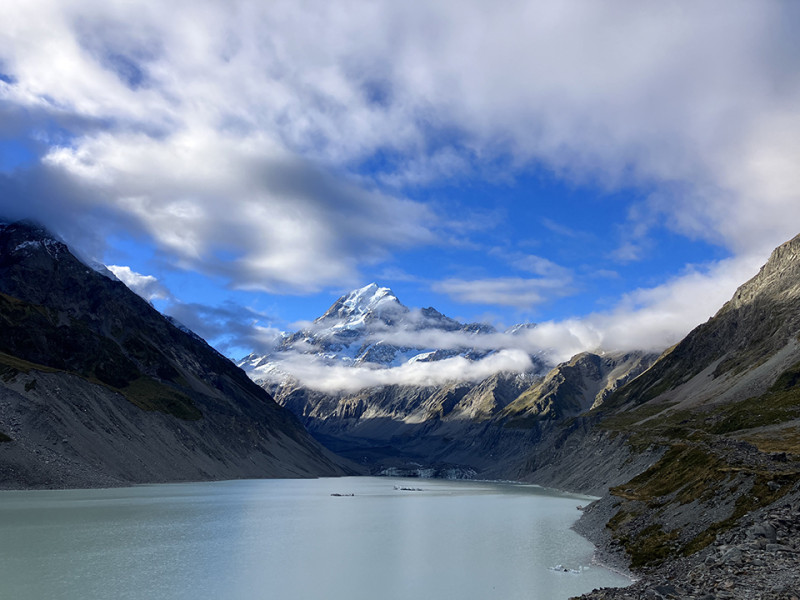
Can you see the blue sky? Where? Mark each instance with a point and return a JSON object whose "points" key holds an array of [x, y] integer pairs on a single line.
{"points": [[612, 171]]}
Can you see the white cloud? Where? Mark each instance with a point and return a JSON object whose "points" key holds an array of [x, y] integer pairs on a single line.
{"points": [[316, 374], [519, 292], [704, 95], [539, 265], [647, 319], [222, 130], [243, 208], [146, 286]]}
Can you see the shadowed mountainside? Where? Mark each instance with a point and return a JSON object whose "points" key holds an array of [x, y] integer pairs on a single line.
{"points": [[474, 426], [98, 388]]}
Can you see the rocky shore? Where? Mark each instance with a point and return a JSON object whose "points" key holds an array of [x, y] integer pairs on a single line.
{"points": [[758, 559]]}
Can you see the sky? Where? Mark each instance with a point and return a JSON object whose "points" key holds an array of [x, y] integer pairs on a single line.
{"points": [[611, 171]]}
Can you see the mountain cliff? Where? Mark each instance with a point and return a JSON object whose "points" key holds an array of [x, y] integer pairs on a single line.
{"points": [[98, 388], [714, 425]]}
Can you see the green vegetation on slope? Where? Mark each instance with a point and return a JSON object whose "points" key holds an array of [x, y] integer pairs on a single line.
{"points": [[688, 474], [149, 394], [707, 458], [685, 473], [40, 339]]}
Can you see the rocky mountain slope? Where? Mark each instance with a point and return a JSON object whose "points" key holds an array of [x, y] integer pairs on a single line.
{"points": [[471, 426], [98, 388], [715, 427]]}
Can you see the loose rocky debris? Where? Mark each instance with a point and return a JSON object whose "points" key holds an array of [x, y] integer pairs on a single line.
{"points": [[757, 560]]}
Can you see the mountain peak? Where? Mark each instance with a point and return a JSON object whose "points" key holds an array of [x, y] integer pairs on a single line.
{"points": [[371, 293], [361, 303], [24, 237], [779, 277]]}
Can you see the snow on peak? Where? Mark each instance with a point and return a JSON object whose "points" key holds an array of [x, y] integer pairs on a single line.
{"points": [[520, 328], [353, 308], [368, 298]]}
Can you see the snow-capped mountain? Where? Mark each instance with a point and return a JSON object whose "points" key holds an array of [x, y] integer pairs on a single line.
{"points": [[361, 307], [370, 327]]}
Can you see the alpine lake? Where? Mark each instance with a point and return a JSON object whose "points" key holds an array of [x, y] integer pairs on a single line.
{"points": [[354, 538]]}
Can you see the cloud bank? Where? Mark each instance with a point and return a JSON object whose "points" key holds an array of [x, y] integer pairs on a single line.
{"points": [[648, 319], [313, 372], [273, 145], [147, 286], [181, 123]]}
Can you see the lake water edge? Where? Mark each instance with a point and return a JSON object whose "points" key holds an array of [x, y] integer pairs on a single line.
{"points": [[352, 537]]}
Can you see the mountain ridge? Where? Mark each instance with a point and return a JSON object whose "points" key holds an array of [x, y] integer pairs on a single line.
{"points": [[78, 348], [718, 415], [369, 326]]}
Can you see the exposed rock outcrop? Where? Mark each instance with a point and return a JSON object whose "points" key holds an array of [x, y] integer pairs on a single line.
{"points": [[492, 424]]}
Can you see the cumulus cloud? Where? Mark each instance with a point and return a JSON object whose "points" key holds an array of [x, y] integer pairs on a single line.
{"points": [[147, 286], [233, 134], [244, 208], [194, 134]]}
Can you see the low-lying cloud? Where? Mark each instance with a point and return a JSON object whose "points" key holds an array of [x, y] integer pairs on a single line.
{"points": [[647, 320], [147, 286], [317, 374]]}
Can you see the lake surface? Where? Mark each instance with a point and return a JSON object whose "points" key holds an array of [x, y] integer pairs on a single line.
{"points": [[292, 540]]}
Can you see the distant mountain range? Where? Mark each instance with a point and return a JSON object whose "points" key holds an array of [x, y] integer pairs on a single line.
{"points": [[370, 327], [402, 425]]}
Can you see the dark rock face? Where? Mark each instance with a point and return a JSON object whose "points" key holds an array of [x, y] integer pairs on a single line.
{"points": [[760, 320], [490, 424], [74, 340], [716, 514]]}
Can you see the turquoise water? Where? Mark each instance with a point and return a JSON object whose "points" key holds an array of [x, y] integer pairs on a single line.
{"points": [[292, 540]]}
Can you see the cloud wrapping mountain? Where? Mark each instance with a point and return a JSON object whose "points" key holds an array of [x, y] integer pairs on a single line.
{"points": [[235, 138], [367, 338]]}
